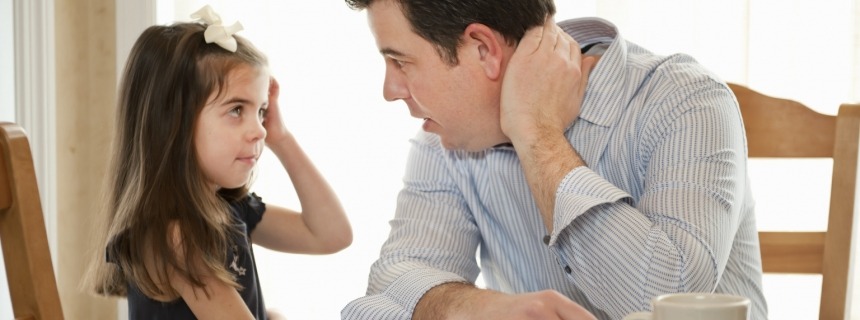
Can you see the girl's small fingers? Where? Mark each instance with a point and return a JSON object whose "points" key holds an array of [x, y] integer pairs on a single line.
{"points": [[274, 87]]}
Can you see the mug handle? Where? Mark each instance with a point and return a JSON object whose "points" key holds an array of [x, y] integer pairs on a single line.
{"points": [[638, 316]]}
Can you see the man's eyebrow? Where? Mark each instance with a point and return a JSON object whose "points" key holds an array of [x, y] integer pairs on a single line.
{"points": [[392, 52]]}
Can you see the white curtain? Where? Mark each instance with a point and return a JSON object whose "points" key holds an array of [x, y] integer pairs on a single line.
{"points": [[331, 77]]}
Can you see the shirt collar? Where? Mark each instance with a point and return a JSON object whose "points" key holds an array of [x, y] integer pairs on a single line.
{"points": [[605, 88], [589, 30]]}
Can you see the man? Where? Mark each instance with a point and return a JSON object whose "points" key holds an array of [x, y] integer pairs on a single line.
{"points": [[641, 191]]}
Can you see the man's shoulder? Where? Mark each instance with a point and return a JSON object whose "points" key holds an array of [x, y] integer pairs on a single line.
{"points": [[680, 67], [677, 74]]}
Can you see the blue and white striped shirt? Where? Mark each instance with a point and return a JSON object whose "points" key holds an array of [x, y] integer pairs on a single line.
{"points": [[664, 205]]}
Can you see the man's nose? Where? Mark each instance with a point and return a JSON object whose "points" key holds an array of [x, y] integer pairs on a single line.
{"points": [[394, 87]]}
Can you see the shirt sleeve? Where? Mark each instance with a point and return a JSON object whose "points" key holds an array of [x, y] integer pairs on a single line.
{"points": [[252, 208], [433, 239], [677, 236]]}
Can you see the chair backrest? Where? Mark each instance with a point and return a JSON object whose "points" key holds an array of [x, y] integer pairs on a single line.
{"points": [[779, 128], [27, 259]]}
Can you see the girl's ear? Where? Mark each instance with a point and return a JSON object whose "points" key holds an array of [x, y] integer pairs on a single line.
{"points": [[488, 47]]}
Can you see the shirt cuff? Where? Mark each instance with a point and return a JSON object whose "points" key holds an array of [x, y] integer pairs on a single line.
{"points": [[579, 191]]}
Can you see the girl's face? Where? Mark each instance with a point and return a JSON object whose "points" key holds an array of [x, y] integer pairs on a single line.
{"points": [[229, 135]]}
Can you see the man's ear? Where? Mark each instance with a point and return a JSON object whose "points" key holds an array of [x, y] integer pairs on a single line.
{"points": [[487, 46]]}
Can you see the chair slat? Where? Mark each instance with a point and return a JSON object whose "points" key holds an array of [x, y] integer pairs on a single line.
{"points": [[24, 241], [792, 252], [783, 128]]}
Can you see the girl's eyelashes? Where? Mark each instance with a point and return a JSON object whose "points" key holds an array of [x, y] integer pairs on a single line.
{"points": [[236, 111]]}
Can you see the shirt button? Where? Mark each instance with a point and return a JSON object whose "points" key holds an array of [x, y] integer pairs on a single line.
{"points": [[546, 240], [567, 269]]}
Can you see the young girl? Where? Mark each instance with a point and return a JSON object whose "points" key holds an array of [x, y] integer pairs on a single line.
{"points": [[196, 106]]}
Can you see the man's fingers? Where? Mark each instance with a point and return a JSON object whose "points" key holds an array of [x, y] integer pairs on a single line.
{"points": [[574, 46], [588, 64], [549, 23], [564, 47], [569, 310], [531, 40], [550, 33]]}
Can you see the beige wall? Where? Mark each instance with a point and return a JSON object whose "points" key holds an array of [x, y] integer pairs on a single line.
{"points": [[86, 92]]}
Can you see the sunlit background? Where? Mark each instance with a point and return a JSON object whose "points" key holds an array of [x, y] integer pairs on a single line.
{"points": [[331, 94]]}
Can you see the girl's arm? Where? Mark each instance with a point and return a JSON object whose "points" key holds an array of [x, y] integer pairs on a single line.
{"points": [[223, 302], [322, 226], [219, 300]]}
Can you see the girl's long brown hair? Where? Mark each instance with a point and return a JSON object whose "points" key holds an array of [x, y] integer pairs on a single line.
{"points": [[154, 180]]}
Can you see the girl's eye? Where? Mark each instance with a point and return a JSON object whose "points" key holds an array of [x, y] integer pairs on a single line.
{"points": [[236, 111], [262, 113]]}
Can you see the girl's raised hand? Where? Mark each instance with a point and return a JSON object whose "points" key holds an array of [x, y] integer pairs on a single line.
{"points": [[322, 226], [275, 128]]}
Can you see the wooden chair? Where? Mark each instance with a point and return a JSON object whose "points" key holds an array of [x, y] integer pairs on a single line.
{"points": [[22, 231], [779, 128]]}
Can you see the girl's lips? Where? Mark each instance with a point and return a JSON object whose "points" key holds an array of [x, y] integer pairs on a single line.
{"points": [[250, 160]]}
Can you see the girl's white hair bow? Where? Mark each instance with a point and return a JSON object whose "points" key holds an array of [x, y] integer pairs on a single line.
{"points": [[215, 32]]}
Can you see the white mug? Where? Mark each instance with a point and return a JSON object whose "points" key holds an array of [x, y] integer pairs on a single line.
{"points": [[698, 306]]}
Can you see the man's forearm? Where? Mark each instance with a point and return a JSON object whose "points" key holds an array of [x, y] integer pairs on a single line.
{"points": [[447, 300], [465, 301], [546, 159]]}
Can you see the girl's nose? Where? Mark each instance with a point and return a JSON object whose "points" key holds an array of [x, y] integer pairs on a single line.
{"points": [[256, 131]]}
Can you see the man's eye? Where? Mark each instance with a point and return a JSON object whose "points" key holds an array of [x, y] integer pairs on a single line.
{"points": [[399, 64]]}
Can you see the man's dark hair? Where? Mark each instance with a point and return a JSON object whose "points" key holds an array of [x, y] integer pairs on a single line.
{"points": [[442, 21]]}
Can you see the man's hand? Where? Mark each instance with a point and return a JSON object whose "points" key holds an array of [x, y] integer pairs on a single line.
{"points": [[544, 84], [547, 304], [465, 301], [542, 92]]}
